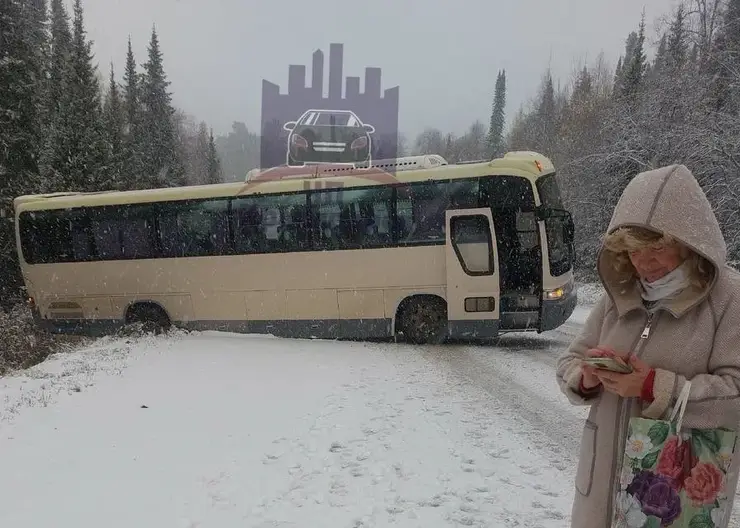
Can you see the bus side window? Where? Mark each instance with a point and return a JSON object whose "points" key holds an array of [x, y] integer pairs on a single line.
{"points": [[47, 236], [248, 234], [352, 218], [266, 224], [429, 201], [194, 229]]}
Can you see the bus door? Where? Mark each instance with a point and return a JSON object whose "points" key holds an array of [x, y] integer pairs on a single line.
{"points": [[473, 278]]}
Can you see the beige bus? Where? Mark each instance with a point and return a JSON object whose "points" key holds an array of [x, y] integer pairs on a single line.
{"points": [[453, 251]]}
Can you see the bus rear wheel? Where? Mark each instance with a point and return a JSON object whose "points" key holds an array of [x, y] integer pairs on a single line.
{"points": [[423, 320], [150, 317]]}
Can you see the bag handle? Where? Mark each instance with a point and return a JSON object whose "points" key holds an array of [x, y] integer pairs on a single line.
{"points": [[680, 407]]}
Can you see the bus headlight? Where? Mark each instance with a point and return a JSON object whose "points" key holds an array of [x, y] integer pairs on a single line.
{"points": [[557, 293], [553, 295]]}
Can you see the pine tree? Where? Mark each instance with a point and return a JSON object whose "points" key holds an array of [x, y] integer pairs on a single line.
{"points": [[161, 156], [617, 87], [725, 62], [114, 123], [55, 148], [85, 168], [23, 43], [60, 49], [132, 170], [131, 89], [677, 45], [22, 67], [495, 139], [659, 63], [634, 69], [546, 117], [215, 174], [583, 87]]}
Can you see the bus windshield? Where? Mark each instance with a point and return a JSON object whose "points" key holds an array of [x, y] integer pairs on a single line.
{"points": [[557, 220]]}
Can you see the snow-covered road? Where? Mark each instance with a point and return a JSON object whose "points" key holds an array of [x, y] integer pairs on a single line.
{"points": [[219, 430]]}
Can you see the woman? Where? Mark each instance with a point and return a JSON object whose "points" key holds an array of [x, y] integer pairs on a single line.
{"points": [[671, 310]]}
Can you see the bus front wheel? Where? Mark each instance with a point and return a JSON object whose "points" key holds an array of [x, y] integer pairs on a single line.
{"points": [[423, 320], [151, 317]]}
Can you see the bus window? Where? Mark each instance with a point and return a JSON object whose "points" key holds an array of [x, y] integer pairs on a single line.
{"points": [[122, 233], [352, 218], [194, 229], [421, 208], [58, 235], [558, 246], [270, 223], [471, 238], [511, 199]]}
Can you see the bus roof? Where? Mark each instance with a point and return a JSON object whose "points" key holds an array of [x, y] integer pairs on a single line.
{"points": [[530, 165]]}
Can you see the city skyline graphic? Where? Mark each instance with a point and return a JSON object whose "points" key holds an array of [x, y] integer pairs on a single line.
{"points": [[342, 125]]}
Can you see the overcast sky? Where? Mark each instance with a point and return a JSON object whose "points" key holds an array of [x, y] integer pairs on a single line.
{"points": [[444, 55]]}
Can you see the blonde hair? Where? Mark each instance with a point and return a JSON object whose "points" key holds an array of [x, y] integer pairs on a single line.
{"points": [[618, 244]]}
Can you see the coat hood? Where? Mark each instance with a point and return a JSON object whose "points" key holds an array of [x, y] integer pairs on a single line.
{"points": [[668, 200]]}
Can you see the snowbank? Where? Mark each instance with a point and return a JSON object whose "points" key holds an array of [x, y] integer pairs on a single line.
{"points": [[23, 345]]}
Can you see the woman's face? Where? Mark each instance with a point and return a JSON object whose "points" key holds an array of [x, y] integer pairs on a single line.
{"points": [[657, 261]]}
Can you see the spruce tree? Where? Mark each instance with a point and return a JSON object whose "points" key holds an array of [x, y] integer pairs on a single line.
{"points": [[114, 122], [85, 168], [661, 55], [634, 70], [55, 149], [215, 174], [132, 170], [495, 139], [22, 67], [677, 45], [583, 86], [546, 117], [161, 155]]}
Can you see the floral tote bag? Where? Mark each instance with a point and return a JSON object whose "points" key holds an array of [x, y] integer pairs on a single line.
{"points": [[674, 477]]}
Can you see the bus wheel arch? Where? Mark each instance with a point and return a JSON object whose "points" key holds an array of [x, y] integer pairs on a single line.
{"points": [[151, 315], [422, 319]]}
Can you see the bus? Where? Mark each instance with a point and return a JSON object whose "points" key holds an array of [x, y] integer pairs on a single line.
{"points": [[465, 251]]}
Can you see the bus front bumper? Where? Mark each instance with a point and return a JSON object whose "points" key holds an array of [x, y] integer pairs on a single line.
{"points": [[555, 312]]}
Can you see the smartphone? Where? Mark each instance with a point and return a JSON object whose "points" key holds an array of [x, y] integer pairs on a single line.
{"points": [[609, 363]]}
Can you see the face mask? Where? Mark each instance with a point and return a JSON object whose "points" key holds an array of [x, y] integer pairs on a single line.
{"points": [[667, 287]]}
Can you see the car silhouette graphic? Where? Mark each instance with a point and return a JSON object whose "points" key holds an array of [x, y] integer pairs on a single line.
{"points": [[329, 136]]}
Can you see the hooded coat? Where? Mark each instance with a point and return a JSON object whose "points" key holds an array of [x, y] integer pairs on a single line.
{"points": [[695, 336]]}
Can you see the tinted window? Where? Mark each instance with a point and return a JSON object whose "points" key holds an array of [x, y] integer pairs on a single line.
{"points": [[507, 192], [123, 233], [270, 223], [549, 192], [352, 218], [421, 208], [55, 236], [471, 238], [194, 229], [560, 251]]}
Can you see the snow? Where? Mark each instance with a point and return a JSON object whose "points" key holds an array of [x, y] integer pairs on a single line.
{"points": [[220, 430], [223, 430]]}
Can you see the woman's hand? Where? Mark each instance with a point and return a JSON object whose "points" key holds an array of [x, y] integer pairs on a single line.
{"points": [[588, 372], [625, 385]]}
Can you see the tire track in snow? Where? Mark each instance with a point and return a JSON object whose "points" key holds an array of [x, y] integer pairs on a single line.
{"points": [[519, 375]]}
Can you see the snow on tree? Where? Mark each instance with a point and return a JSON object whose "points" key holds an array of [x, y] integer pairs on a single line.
{"points": [[161, 156], [495, 139], [114, 127]]}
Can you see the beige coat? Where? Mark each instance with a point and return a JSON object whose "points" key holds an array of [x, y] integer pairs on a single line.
{"points": [[695, 337]]}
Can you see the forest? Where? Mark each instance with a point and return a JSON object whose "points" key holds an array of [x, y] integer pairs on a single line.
{"points": [[672, 97]]}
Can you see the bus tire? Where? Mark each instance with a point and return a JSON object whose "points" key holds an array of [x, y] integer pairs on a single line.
{"points": [[423, 320], [152, 317]]}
